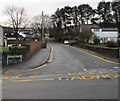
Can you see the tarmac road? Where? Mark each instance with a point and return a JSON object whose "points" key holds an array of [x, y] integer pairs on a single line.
{"points": [[70, 73]]}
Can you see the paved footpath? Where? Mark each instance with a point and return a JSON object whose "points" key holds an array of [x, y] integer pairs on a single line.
{"points": [[37, 59]]}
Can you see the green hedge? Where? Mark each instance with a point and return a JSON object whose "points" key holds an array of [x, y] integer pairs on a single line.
{"points": [[4, 49]]}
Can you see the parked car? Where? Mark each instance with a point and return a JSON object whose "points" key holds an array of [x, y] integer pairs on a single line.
{"points": [[66, 42], [72, 42]]}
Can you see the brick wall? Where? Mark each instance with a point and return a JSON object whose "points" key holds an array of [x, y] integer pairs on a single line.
{"points": [[35, 46]]}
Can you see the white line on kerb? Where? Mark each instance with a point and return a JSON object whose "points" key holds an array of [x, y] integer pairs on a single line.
{"points": [[51, 56]]}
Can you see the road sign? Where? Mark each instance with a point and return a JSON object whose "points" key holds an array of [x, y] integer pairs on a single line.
{"points": [[13, 57]]}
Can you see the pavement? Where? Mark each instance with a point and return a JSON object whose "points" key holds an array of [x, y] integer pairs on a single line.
{"points": [[37, 59]]}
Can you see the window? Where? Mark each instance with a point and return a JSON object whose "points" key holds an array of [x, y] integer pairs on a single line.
{"points": [[96, 30]]}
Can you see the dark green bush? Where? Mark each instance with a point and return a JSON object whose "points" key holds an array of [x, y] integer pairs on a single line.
{"points": [[96, 40], [118, 43]]}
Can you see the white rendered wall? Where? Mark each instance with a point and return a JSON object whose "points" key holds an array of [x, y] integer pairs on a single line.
{"points": [[111, 35]]}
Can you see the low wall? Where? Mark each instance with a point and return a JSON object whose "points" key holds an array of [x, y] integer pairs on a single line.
{"points": [[34, 45], [31, 49], [25, 52], [16, 42], [110, 52]]}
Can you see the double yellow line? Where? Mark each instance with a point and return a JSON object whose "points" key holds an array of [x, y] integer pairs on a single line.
{"points": [[32, 80]]}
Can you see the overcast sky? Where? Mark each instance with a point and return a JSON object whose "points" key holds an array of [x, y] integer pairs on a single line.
{"points": [[35, 7]]}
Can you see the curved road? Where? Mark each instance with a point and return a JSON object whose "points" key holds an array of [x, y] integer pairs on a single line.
{"points": [[71, 73]]}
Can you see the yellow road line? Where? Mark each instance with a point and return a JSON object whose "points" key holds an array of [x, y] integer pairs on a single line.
{"points": [[105, 76], [33, 80], [15, 73], [96, 56], [46, 75], [75, 73], [9, 77], [24, 71]]}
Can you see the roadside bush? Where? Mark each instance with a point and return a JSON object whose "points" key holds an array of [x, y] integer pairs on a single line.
{"points": [[96, 40], [119, 43], [111, 44]]}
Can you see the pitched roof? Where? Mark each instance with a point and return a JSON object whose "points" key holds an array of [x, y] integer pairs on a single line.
{"points": [[1, 26], [89, 26], [109, 29]]}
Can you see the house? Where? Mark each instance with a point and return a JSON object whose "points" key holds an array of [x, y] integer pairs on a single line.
{"points": [[1, 37], [3, 40], [105, 34], [88, 27], [23, 34], [8, 33], [29, 33]]}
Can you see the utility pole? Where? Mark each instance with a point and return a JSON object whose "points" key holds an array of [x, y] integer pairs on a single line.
{"points": [[42, 27], [43, 36], [103, 0]]}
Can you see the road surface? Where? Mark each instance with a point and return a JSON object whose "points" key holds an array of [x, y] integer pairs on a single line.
{"points": [[71, 73]]}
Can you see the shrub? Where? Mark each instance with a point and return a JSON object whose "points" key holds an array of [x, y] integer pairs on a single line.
{"points": [[111, 44], [119, 43], [96, 40]]}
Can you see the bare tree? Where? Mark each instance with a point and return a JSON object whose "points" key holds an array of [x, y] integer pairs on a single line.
{"points": [[17, 18], [37, 22], [85, 35]]}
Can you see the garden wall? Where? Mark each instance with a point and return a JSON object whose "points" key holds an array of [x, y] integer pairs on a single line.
{"points": [[34, 45], [104, 51], [26, 53]]}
